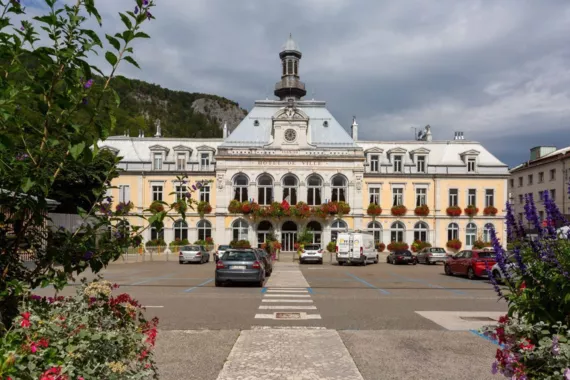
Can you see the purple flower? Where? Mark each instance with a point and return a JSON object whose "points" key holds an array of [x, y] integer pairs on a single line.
{"points": [[35, 297], [88, 255], [22, 28], [148, 15], [531, 214], [495, 368], [555, 346], [88, 84], [136, 9], [85, 100], [500, 253], [145, 2], [493, 281], [193, 187], [188, 195], [519, 260], [567, 374]]}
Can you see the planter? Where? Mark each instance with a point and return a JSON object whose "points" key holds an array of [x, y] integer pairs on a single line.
{"points": [[240, 244], [331, 247], [398, 246], [399, 210], [422, 210], [418, 245], [479, 244], [471, 211], [453, 211], [234, 207], [454, 244], [204, 208], [380, 247], [374, 210], [492, 211]]}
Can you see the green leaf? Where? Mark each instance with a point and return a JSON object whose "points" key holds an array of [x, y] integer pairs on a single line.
{"points": [[28, 185], [93, 36], [111, 58], [76, 149], [132, 61], [126, 21], [142, 35], [116, 96], [5, 142], [113, 41], [113, 122]]}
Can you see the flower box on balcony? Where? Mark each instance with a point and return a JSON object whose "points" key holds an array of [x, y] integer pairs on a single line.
{"points": [[492, 211], [204, 208], [480, 244], [453, 211], [422, 210], [471, 210], [399, 210], [234, 207], [374, 210], [454, 244], [397, 246], [380, 247]]}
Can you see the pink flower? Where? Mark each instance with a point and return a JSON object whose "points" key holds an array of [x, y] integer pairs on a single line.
{"points": [[567, 374], [26, 321], [33, 347]]}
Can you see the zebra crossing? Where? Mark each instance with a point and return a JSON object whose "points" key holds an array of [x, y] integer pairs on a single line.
{"points": [[287, 296]]}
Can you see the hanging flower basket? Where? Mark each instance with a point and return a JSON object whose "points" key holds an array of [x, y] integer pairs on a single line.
{"points": [[374, 210], [240, 244], [380, 247], [398, 246], [399, 210], [454, 244], [204, 208], [492, 211], [480, 244], [156, 207], [422, 210], [301, 210], [418, 245], [471, 210], [453, 211], [234, 207]]}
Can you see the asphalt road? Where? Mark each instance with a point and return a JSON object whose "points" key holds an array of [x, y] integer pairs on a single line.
{"points": [[374, 308]]}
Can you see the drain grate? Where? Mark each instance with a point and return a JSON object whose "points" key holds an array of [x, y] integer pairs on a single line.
{"points": [[288, 315], [477, 319]]}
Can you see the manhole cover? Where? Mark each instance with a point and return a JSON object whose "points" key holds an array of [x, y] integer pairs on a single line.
{"points": [[477, 319], [288, 315]]}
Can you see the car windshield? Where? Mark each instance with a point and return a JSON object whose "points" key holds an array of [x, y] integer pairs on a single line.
{"points": [[223, 247], [312, 247], [437, 250], [191, 248], [239, 256], [486, 255]]}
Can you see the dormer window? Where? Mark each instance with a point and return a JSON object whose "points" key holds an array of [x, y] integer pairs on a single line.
{"points": [[471, 165], [421, 164], [157, 160], [180, 161], [374, 163], [398, 163], [204, 160]]}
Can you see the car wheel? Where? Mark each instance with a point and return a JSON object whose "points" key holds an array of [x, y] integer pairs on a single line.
{"points": [[414, 262], [471, 274], [376, 260], [387, 260], [218, 284], [447, 270], [340, 263], [180, 261]]}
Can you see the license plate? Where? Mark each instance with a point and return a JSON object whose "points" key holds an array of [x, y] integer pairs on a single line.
{"points": [[237, 267]]}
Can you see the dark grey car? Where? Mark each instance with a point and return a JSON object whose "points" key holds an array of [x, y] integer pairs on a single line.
{"points": [[237, 265]]}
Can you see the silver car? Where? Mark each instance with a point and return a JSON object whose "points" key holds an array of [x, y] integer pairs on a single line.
{"points": [[432, 255], [240, 265], [193, 254]]}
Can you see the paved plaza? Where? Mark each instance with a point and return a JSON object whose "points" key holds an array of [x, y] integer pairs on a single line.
{"points": [[315, 322]]}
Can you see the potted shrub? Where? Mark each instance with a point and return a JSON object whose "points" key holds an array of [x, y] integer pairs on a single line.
{"points": [[209, 243], [454, 244], [331, 247], [179, 242], [240, 244], [204, 208], [422, 210], [380, 247], [399, 210], [156, 243], [156, 207], [374, 210], [453, 211], [480, 244], [398, 246], [234, 206], [471, 210], [343, 208], [491, 210], [418, 245]]}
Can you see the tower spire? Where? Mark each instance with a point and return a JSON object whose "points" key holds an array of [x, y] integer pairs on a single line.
{"points": [[290, 86]]}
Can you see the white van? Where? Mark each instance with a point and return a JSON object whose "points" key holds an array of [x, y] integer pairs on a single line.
{"points": [[356, 247]]}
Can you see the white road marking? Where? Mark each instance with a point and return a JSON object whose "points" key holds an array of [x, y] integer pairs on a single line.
{"points": [[154, 307], [303, 316], [288, 307], [288, 328], [279, 288], [286, 291], [288, 295], [296, 301]]}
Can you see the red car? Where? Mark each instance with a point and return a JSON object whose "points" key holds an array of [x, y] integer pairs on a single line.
{"points": [[472, 263]]}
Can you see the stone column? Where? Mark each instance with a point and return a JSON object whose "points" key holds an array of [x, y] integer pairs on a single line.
{"points": [[302, 192], [277, 192], [327, 191]]}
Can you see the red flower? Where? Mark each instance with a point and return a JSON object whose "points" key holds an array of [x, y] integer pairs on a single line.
{"points": [[143, 355], [504, 319], [285, 205], [26, 321], [523, 285], [43, 342], [526, 345], [54, 373]]}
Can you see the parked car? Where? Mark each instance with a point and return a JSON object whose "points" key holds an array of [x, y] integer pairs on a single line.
{"points": [[267, 262], [401, 257], [356, 248], [472, 263], [311, 253], [220, 251], [511, 266], [193, 254], [432, 255], [240, 265]]}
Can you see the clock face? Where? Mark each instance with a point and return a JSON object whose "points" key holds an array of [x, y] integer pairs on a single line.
{"points": [[290, 135]]}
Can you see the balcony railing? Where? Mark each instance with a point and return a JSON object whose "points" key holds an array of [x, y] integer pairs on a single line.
{"points": [[289, 82]]}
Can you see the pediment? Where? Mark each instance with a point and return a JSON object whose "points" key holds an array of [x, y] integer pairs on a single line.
{"points": [[291, 113], [202, 148], [396, 150], [470, 152], [374, 150], [182, 148], [111, 149], [159, 148], [421, 150]]}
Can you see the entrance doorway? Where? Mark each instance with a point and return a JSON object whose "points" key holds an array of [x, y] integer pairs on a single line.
{"points": [[288, 236], [316, 230]]}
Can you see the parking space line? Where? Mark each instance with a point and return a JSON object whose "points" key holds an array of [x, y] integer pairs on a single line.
{"points": [[198, 286], [367, 283], [428, 284], [151, 279]]}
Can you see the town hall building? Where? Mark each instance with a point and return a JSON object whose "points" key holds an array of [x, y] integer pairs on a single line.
{"points": [[294, 152]]}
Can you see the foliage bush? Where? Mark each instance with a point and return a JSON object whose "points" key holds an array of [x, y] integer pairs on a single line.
{"points": [[93, 335], [454, 244], [380, 247], [374, 210], [204, 208], [479, 244], [534, 335], [418, 245], [156, 243], [397, 246], [491, 210], [179, 242], [471, 210], [331, 246], [240, 244]]}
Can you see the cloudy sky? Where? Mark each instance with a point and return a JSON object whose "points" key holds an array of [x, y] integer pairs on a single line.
{"points": [[498, 70]]}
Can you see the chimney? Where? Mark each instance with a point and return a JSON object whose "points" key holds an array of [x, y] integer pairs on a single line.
{"points": [[158, 129], [459, 136], [427, 134], [354, 129], [225, 131]]}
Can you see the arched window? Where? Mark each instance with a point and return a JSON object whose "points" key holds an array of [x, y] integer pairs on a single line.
{"points": [[240, 188], [265, 190], [314, 190], [284, 68], [336, 227], [470, 234], [156, 234], [338, 185], [296, 70], [397, 232], [421, 231], [452, 231], [239, 230], [204, 230], [376, 229], [487, 232], [316, 230], [264, 228], [290, 189], [180, 230], [289, 67]]}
